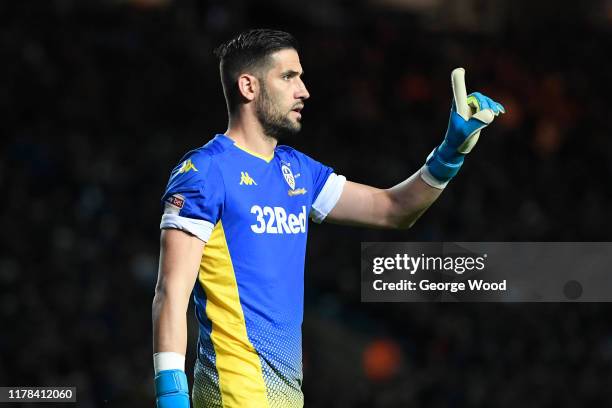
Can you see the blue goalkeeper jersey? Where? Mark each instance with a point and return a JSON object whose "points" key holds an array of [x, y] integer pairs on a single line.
{"points": [[252, 212]]}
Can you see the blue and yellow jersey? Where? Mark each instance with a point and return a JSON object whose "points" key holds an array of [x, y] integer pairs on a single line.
{"points": [[252, 212]]}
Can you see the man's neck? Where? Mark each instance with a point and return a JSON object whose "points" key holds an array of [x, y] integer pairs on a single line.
{"points": [[249, 135]]}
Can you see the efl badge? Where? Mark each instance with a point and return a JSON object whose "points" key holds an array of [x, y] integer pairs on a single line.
{"points": [[288, 176], [174, 204]]}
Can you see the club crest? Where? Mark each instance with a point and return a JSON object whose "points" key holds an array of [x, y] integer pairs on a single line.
{"points": [[288, 176]]}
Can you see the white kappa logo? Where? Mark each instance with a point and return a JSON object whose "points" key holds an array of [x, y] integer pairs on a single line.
{"points": [[288, 176]]}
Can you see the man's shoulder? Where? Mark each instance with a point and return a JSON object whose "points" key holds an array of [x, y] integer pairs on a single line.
{"points": [[290, 152], [196, 163], [287, 152], [204, 155]]}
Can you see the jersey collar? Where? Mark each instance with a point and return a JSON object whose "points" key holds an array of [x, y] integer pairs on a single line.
{"points": [[229, 141]]}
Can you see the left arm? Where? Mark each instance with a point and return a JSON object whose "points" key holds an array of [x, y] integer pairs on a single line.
{"points": [[400, 206], [396, 207]]}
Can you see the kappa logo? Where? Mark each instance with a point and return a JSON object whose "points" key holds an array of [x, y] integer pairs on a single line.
{"points": [[187, 166], [288, 176], [246, 179]]}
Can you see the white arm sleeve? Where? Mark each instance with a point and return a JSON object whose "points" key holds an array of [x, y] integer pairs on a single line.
{"points": [[200, 228], [328, 197]]}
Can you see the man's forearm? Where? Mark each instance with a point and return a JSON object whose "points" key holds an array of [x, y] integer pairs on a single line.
{"points": [[169, 325], [410, 199], [178, 267]]}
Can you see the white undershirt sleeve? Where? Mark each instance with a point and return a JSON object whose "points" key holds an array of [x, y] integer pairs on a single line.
{"points": [[328, 197], [200, 228]]}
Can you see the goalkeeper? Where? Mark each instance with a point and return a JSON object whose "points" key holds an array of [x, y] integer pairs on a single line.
{"points": [[234, 229]]}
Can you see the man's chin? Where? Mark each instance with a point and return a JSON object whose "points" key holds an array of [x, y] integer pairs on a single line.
{"points": [[291, 128], [283, 132]]}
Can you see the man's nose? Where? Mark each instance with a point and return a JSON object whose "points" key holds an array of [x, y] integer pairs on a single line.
{"points": [[302, 92]]}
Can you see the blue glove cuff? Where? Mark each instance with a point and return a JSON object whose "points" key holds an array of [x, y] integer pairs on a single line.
{"points": [[444, 170], [171, 381], [449, 154]]}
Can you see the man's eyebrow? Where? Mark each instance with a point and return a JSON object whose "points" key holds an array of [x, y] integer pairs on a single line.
{"points": [[291, 73]]}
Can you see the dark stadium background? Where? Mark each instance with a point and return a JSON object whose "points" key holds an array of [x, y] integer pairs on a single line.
{"points": [[99, 99]]}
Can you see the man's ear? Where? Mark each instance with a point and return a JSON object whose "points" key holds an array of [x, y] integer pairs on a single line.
{"points": [[248, 86]]}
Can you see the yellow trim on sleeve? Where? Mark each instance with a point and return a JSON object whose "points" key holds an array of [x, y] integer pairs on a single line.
{"points": [[241, 380]]}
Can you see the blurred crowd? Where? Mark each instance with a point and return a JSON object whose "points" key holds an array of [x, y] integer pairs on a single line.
{"points": [[100, 99]]}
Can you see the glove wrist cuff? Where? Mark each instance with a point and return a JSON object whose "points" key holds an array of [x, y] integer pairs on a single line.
{"points": [[441, 170], [171, 382], [449, 154]]}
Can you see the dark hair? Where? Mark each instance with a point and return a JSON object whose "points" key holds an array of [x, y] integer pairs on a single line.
{"points": [[248, 51]]}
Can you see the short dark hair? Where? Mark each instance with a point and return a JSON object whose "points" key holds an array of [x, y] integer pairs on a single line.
{"points": [[248, 51]]}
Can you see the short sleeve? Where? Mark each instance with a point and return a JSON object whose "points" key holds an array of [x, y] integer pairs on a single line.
{"points": [[327, 188], [194, 196]]}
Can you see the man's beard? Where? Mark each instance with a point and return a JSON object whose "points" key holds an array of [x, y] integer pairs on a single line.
{"points": [[275, 124]]}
